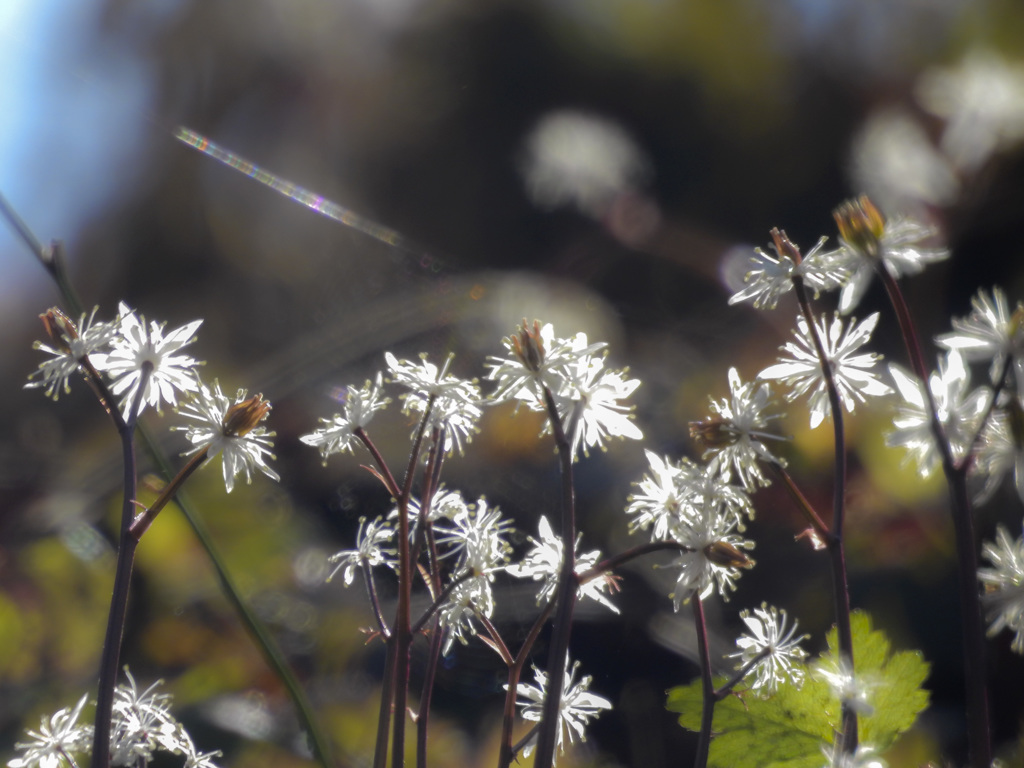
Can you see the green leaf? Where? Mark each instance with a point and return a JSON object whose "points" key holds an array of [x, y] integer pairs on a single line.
{"points": [[789, 729]]}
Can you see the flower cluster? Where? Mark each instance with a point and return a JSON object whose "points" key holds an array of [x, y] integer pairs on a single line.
{"points": [[142, 726], [143, 364]]}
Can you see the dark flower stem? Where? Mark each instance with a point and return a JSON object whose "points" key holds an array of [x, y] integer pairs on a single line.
{"points": [[834, 541], [565, 596], [707, 685], [126, 546], [979, 731]]}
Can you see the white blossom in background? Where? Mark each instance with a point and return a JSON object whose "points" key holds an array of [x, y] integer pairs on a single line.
{"points": [[769, 635], [589, 406], [895, 162], [982, 101], [229, 428], [72, 342], [959, 412], [142, 725], [60, 736], [137, 344], [867, 239], [662, 494], [850, 689], [713, 558], [543, 563], [469, 599], [1000, 450], [1004, 586], [769, 277], [371, 550], [852, 371], [454, 403], [476, 534], [577, 705], [990, 333], [337, 434], [865, 756], [578, 159], [734, 438]]}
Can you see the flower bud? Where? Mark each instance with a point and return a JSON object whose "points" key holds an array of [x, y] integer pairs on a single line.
{"points": [[861, 225], [713, 432], [528, 345], [241, 418], [726, 555], [60, 328]]}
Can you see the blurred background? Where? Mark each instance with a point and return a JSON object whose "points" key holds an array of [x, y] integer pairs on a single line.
{"points": [[605, 165]]}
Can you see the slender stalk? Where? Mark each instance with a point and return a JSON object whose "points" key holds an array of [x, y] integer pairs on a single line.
{"points": [[612, 563], [126, 546], [979, 730], [371, 593], [565, 598], [141, 523], [802, 503], [707, 685], [506, 752], [423, 718], [834, 543]]}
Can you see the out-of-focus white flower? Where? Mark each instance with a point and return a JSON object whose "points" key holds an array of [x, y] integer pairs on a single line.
{"points": [[1004, 586], [864, 756], [714, 558], [850, 689], [229, 428], [769, 277], [852, 373], [59, 737], [370, 549], [577, 706], [469, 599], [454, 403], [734, 437], [72, 343], [990, 332], [982, 102], [476, 533], [867, 240], [574, 158], [893, 159], [337, 434], [1001, 450], [544, 563], [783, 657], [959, 412], [138, 344]]}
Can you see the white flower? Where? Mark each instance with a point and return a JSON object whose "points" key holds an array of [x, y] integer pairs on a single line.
{"points": [[138, 344], [73, 343], [454, 403], [867, 240], [537, 360], [575, 709], [864, 757], [1000, 449], [713, 558], [851, 690], [370, 549], [958, 412], [476, 534], [229, 428], [783, 659], [337, 434], [769, 277], [982, 101], [990, 333], [589, 406], [734, 437], [59, 736], [852, 373], [470, 598], [544, 563], [581, 159], [1004, 586]]}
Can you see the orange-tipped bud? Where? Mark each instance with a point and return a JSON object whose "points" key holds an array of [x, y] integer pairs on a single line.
{"points": [[713, 432], [726, 555], [241, 418], [861, 225], [60, 328], [784, 246], [528, 345]]}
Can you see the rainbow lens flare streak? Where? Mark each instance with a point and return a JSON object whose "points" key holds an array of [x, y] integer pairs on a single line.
{"points": [[299, 194]]}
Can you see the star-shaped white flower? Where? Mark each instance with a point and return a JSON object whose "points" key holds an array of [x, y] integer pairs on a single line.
{"points": [[229, 429], [72, 343], [337, 434], [1004, 586], [778, 646], [371, 549], [769, 277], [991, 332], [852, 372]]}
